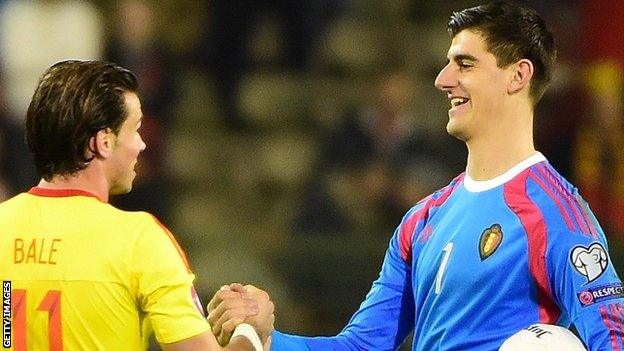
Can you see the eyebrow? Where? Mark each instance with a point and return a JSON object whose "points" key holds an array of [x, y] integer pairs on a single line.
{"points": [[462, 57]]}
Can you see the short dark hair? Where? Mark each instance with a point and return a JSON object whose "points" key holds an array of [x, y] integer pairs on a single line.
{"points": [[73, 101], [512, 32]]}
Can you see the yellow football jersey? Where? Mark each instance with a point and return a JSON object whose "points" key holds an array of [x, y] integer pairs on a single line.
{"points": [[85, 275]]}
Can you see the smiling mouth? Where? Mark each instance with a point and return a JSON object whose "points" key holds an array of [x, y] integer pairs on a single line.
{"points": [[458, 101]]}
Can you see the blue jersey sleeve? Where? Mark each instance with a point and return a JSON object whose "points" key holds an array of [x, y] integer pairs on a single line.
{"points": [[382, 321], [585, 284]]}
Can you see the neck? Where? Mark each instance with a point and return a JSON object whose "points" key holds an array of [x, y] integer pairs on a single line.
{"points": [[82, 180], [497, 150]]}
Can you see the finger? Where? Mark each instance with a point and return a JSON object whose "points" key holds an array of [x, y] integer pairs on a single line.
{"points": [[214, 302], [220, 296], [230, 307], [237, 287], [258, 294], [228, 328], [241, 309], [214, 314], [235, 313], [269, 305]]}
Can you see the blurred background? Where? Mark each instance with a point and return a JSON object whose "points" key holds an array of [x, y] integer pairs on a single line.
{"points": [[286, 138]]}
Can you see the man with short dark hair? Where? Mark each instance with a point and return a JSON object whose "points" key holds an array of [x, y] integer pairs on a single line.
{"points": [[85, 275], [507, 244]]}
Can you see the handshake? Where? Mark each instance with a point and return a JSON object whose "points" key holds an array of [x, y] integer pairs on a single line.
{"points": [[235, 304]]}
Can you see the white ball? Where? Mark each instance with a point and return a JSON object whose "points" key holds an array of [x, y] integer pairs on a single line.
{"points": [[543, 337]]}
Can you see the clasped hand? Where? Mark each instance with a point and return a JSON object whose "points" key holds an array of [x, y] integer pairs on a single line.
{"points": [[234, 304]]}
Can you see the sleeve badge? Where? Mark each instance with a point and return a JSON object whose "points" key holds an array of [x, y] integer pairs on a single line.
{"points": [[590, 261]]}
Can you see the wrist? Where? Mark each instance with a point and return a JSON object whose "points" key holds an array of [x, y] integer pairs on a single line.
{"points": [[247, 331]]}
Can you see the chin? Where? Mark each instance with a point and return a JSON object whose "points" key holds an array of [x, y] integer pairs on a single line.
{"points": [[120, 190], [456, 131]]}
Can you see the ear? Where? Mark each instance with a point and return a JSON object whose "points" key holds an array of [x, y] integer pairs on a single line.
{"points": [[102, 143], [522, 74]]}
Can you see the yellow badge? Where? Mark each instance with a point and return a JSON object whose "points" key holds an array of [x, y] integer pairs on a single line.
{"points": [[490, 241]]}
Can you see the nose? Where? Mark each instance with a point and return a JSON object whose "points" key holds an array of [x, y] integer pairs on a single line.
{"points": [[143, 144], [445, 79]]}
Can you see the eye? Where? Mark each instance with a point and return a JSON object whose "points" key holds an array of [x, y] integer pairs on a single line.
{"points": [[464, 65]]}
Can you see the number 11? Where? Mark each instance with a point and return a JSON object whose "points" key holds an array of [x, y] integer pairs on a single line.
{"points": [[51, 303]]}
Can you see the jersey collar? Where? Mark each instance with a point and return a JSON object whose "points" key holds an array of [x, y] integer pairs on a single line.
{"points": [[476, 186], [38, 191]]}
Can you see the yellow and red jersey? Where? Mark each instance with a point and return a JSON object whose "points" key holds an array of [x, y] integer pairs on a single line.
{"points": [[88, 276]]}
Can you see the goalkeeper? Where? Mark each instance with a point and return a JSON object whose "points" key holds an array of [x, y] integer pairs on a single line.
{"points": [[508, 243]]}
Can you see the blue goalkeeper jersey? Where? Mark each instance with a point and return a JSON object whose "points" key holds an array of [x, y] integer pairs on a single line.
{"points": [[477, 261]]}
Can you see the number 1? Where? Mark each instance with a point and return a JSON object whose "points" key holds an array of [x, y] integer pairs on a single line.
{"points": [[447, 252]]}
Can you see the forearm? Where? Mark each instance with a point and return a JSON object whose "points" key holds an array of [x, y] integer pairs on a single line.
{"points": [[382, 323], [600, 328], [287, 342], [248, 335], [239, 343]]}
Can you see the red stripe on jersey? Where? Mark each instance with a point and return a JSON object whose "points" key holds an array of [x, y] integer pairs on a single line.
{"points": [[615, 315], [607, 321], [570, 200], [555, 198], [620, 308], [588, 219], [532, 220], [406, 233], [582, 219], [175, 243], [620, 313]]}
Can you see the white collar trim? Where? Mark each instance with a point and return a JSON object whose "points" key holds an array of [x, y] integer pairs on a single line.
{"points": [[483, 185]]}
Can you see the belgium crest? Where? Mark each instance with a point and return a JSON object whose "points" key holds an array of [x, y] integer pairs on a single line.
{"points": [[490, 241]]}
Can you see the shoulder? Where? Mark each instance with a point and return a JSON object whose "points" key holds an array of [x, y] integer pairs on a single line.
{"points": [[16, 206], [138, 227], [13, 201], [543, 178], [435, 199], [120, 216], [156, 237], [417, 216], [146, 226], [553, 199]]}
